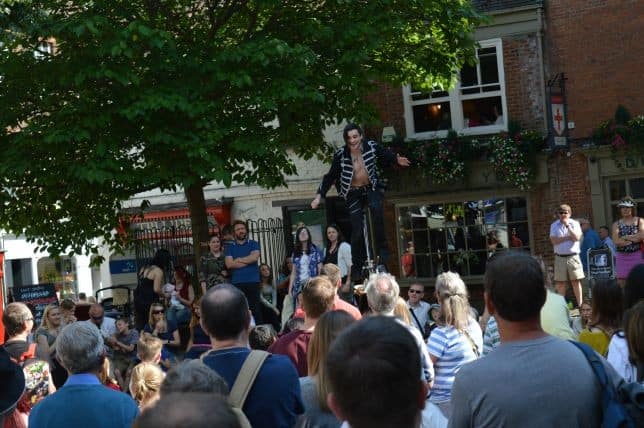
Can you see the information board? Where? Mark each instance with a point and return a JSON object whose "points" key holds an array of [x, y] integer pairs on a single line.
{"points": [[37, 297]]}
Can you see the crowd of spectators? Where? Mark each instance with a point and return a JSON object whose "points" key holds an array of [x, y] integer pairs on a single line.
{"points": [[405, 364]]}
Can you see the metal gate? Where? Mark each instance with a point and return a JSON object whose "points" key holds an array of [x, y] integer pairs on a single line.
{"points": [[176, 237], [269, 232]]}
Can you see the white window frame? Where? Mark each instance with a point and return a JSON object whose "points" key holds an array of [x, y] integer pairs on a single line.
{"points": [[43, 49], [455, 99]]}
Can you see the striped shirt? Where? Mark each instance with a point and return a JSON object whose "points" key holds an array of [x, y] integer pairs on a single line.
{"points": [[452, 349], [491, 338]]}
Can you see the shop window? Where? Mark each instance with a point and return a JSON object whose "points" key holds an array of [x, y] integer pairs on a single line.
{"points": [[58, 271], [476, 105], [460, 236]]}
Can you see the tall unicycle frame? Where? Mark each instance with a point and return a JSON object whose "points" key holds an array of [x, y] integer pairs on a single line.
{"points": [[371, 264]]}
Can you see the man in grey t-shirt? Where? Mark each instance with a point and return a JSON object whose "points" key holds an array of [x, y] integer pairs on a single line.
{"points": [[532, 379]]}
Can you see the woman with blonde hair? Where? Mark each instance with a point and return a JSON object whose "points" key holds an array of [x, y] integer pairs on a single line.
{"points": [[45, 336], [145, 384], [457, 341], [402, 312], [315, 386]]}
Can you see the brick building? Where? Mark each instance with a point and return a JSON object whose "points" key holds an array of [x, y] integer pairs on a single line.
{"points": [[526, 44]]}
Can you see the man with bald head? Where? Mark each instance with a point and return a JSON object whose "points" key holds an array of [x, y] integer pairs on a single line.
{"points": [[106, 325], [274, 400]]}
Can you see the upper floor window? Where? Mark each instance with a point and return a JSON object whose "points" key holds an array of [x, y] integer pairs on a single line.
{"points": [[476, 105], [43, 50]]}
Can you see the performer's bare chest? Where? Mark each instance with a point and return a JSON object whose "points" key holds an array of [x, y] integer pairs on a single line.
{"points": [[360, 175]]}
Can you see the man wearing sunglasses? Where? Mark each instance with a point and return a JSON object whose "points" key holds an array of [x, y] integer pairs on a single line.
{"points": [[106, 325], [565, 234], [418, 308]]}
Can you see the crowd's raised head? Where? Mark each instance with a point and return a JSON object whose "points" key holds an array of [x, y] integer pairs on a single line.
{"points": [[373, 371], [514, 284], [332, 272], [15, 317], [607, 304], [193, 376], [148, 348], [145, 384], [224, 312], [318, 295], [80, 348], [186, 409], [382, 293], [262, 337], [453, 298]]}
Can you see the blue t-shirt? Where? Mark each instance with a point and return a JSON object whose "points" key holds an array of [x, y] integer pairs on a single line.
{"points": [[275, 399], [591, 241], [249, 274], [76, 404]]}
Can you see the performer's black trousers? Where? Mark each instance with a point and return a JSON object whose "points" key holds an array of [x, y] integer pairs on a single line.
{"points": [[357, 198]]}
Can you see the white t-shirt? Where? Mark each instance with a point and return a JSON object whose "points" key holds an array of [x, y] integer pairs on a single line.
{"points": [[422, 313], [557, 229]]}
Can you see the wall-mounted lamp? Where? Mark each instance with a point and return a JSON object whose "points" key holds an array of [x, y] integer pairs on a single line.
{"points": [[388, 134]]}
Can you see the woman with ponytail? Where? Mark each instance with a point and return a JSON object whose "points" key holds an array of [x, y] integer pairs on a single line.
{"points": [[145, 384], [456, 341]]}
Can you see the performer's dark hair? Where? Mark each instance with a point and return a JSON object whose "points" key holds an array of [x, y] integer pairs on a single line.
{"points": [[350, 127]]}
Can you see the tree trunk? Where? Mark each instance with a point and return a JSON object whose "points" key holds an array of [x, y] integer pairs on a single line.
{"points": [[199, 220]]}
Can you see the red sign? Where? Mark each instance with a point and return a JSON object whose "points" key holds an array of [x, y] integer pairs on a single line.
{"points": [[558, 115]]}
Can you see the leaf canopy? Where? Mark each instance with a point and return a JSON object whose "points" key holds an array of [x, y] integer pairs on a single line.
{"points": [[145, 94]]}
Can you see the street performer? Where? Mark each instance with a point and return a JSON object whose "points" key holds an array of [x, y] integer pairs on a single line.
{"points": [[354, 172]]}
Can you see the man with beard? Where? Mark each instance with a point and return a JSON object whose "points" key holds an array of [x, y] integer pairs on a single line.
{"points": [[241, 260]]}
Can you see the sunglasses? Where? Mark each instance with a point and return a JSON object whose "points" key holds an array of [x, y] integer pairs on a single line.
{"points": [[157, 312], [98, 318], [416, 291], [563, 212]]}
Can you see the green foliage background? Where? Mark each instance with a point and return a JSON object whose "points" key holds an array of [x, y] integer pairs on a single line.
{"points": [[173, 94]]}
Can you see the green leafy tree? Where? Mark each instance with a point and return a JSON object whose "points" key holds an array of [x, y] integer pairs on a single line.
{"points": [[174, 94]]}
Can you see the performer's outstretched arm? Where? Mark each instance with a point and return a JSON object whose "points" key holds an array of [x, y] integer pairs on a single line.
{"points": [[328, 179]]}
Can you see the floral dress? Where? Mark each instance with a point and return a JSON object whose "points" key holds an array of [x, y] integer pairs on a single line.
{"points": [[210, 269]]}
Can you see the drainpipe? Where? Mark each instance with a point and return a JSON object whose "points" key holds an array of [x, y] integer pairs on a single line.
{"points": [[542, 71]]}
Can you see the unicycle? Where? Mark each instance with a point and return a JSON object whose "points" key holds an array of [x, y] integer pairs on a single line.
{"points": [[371, 264]]}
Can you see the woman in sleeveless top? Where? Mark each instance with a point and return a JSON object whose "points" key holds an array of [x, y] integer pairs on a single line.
{"points": [[199, 340], [627, 234], [46, 336], [149, 290], [212, 265]]}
